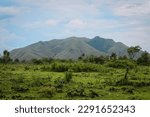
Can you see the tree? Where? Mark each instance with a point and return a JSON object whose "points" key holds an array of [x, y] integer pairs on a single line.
{"points": [[132, 51], [81, 57], [6, 58], [36, 61], [113, 56], [100, 60], [1, 60], [16, 61], [123, 57], [144, 59]]}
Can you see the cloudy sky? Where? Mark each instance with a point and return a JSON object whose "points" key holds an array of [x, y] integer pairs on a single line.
{"points": [[23, 22]]}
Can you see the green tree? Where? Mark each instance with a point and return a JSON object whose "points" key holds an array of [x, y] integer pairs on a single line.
{"points": [[6, 56], [36, 61], [144, 59], [132, 51], [113, 56], [16, 61], [1, 60], [99, 60]]}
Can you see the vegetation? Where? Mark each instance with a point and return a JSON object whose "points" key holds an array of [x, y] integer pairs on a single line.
{"points": [[132, 51], [144, 59], [92, 77]]}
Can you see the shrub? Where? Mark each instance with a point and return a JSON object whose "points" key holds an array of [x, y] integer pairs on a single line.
{"points": [[2, 95], [20, 88], [37, 82], [121, 64], [59, 83], [141, 84], [68, 76], [113, 89], [16, 97], [26, 68], [36, 61], [47, 92], [75, 92], [45, 68], [144, 59], [59, 67], [128, 89], [76, 67], [18, 80], [123, 82], [93, 94]]}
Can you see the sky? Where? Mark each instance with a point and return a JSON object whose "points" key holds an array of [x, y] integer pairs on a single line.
{"points": [[23, 22]]}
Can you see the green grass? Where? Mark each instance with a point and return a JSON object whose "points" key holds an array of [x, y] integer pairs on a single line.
{"points": [[83, 81]]}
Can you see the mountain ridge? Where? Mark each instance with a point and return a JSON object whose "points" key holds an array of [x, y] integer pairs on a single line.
{"points": [[69, 48]]}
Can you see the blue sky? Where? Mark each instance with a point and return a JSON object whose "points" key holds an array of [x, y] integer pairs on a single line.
{"points": [[23, 22]]}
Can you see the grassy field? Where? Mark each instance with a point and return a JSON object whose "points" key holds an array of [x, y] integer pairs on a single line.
{"points": [[71, 81]]}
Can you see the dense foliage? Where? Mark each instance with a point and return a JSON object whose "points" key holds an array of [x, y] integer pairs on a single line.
{"points": [[87, 78]]}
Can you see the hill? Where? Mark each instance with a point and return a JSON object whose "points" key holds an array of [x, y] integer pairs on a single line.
{"points": [[69, 48]]}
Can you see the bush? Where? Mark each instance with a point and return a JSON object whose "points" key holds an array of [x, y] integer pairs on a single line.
{"points": [[16, 97], [47, 92], [93, 94], [144, 59], [18, 80], [141, 84], [68, 76], [59, 67], [79, 91], [45, 68], [37, 82], [128, 89], [113, 89], [59, 83], [123, 82], [121, 64], [26, 68], [76, 67], [20, 88], [2, 95]]}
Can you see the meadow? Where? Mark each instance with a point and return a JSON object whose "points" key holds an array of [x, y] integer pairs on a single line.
{"points": [[74, 80]]}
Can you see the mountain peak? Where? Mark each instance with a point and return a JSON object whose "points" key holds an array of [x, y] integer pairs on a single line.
{"points": [[74, 37], [97, 37], [101, 38]]}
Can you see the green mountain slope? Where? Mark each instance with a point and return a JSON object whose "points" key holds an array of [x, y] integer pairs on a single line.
{"points": [[69, 48], [108, 46]]}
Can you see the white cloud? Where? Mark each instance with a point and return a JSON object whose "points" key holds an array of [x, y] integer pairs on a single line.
{"points": [[51, 22], [132, 8], [64, 8], [9, 10], [76, 23], [7, 37], [94, 24], [40, 24], [138, 35]]}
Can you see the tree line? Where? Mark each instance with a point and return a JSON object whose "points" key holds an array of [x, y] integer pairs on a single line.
{"points": [[132, 51]]}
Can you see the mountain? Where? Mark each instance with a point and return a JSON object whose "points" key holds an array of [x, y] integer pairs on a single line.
{"points": [[69, 48], [108, 46]]}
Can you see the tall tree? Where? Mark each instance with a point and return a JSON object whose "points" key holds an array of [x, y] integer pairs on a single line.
{"points": [[132, 51], [144, 59], [6, 56]]}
